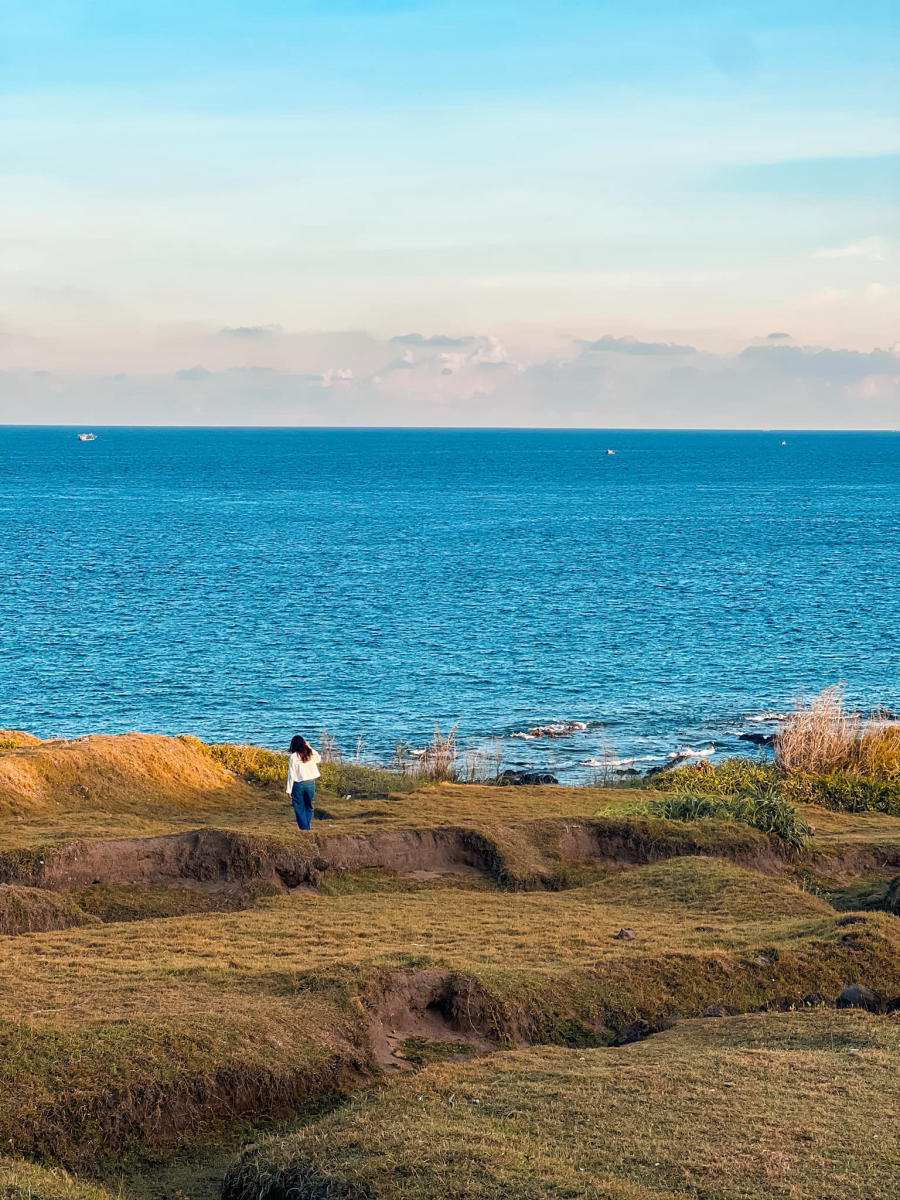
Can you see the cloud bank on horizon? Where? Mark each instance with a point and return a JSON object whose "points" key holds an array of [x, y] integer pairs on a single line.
{"points": [[477, 380], [571, 214]]}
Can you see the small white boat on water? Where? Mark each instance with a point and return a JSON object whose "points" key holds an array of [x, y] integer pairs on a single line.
{"points": [[610, 452], [87, 437]]}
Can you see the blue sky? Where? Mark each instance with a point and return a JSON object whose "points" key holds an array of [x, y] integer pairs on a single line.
{"points": [[535, 176]]}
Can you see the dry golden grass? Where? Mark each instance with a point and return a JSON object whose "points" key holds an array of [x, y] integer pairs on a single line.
{"points": [[133, 776], [774, 1107], [21, 1180], [14, 739], [166, 966], [822, 737], [138, 785], [123, 1037]]}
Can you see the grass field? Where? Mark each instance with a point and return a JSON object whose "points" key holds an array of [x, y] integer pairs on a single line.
{"points": [[793, 1107], [149, 1017], [139, 785], [179, 1025]]}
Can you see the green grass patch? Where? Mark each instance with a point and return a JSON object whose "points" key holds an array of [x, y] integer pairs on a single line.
{"points": [[844, 791], [763, 809], [422, 1052]]}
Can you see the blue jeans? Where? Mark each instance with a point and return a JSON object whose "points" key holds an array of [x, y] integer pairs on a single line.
{"points": [[302, 794]]}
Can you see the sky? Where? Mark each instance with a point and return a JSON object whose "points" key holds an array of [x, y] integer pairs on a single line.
{"points": [[450, 213]]}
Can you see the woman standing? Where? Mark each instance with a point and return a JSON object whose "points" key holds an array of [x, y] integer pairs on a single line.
{"points": [[303, 771]]}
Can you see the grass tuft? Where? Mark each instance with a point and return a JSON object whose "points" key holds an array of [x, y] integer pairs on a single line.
{"points": [[764, 810]]}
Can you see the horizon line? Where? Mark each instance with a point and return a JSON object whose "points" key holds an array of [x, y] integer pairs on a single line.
{"points": [[82, 426]]}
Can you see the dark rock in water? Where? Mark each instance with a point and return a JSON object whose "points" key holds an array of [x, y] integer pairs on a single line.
{"points": [[637, 1031], [758, 739], [677, 760], [525, 778], [892, 899], [625, 935], [715, 1010], [815, 1000], [857, 996]]}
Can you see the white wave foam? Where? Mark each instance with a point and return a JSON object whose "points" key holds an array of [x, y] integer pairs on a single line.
{"points": [[620, 762], [768, 716], [688, 752]]}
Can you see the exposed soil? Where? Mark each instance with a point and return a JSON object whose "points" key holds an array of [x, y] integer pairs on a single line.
{"points": [[422, 1004], [530, 856]]}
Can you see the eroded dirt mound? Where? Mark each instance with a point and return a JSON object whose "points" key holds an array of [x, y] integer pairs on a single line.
{"points": [[425, 1006], [133, 773], [31, 910], [216, 856], [203, 856]]}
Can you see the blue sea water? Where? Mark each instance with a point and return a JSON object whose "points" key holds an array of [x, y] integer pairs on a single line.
{"points": [[245, 584]]}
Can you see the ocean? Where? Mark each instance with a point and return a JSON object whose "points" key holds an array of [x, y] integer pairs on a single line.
{"points": [[246, 584]]}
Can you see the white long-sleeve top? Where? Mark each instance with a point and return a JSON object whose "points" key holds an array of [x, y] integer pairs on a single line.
{"points": [[302, 772]]}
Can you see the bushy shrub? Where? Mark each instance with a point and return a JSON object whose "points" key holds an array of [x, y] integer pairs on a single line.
{"points": [[764, 809], [844, 791], [252, 762], [726, 778], [358, 780]]}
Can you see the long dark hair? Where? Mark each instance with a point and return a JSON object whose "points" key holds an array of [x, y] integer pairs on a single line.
{"points": [[302, 747]]}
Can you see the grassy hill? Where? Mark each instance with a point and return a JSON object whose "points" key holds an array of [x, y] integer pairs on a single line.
{"points": [[786, 1107], [179, 964]]}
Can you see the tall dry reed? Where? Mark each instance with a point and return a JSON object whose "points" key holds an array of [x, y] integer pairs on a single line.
{"points": [[822, 737], [438, 761]]}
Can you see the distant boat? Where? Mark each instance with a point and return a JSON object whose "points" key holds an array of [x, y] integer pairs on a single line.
{"points": [[87, 437], [784, 443], [610, 452]]}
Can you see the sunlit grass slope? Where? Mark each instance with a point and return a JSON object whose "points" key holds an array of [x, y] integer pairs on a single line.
{"points": [[121, 1038], [22, 1180], [137, 785], [786, 1107]]}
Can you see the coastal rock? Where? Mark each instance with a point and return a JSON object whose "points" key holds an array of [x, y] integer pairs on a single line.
{"points": [[715, 1010], [758, 739], [858, 996], [526, 778], [557, 729], [625, 935]]}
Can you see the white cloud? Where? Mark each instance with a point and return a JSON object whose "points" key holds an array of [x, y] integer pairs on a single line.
{"points": [[870, 249], [356, 379]]}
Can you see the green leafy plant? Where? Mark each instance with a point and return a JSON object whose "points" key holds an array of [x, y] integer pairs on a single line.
{"points": [[764, 809]]}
